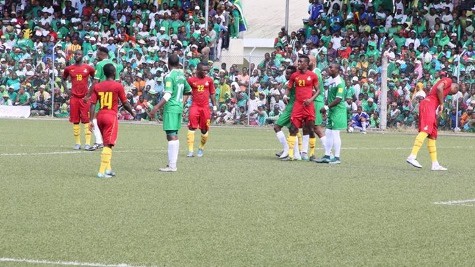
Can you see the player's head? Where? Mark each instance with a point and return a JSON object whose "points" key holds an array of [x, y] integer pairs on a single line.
{"points": [[334, 69], [289, 71], [359, 109], [109, 70], [201, 70], [173, 61], [78, 56], [102, 53], [303, 62], [454, 88]]}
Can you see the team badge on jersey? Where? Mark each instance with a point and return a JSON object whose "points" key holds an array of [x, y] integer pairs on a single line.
{"points": [[308, 78]]}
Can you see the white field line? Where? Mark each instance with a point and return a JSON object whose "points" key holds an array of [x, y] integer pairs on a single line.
{"points": [[466, 202], [40, 153], [212, 150], [64, 263]]}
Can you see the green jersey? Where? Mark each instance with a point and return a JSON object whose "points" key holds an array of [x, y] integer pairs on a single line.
{"points": [[337, 90], [321, 95], [176, 85], [291, 95], [100, 70]]}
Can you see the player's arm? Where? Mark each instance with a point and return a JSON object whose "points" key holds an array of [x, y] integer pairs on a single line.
{"points": [[92, 109], [97, 76], [440, 93], [64, 78], [186, 92], [89, 92], [92, 73], [315, 92], [335, 102], [338, 98], [125, 101], [212, 94], [290, 86], [167, 94]]}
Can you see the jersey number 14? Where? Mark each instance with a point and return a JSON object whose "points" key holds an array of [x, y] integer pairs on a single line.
{"points": [[106, 99]]}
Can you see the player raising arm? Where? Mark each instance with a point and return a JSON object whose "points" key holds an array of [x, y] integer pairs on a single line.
{"points": [[202, 90], [108, 94], [429, 109], [172, 101]]}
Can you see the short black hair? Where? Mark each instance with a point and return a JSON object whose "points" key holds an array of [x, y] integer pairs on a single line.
{"points": [[103, 49], [173, 60], [292, 68], [109, 70], [200, 65], [305, 58]]}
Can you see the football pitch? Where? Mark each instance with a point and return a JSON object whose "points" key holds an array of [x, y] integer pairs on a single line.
{"points": [[236, 206]]}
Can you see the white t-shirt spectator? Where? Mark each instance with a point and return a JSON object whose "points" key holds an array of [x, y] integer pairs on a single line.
{"points": [[252, 105], [446, 18], [414, 41], [448, 4], [336, 41]]}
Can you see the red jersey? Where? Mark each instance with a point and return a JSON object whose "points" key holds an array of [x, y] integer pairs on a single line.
{"points": [[201, 89], [79, 78], [304, 83], [108, 93], [432, 96]]}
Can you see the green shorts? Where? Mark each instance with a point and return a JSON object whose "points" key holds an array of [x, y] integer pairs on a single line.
{"points": [[284, 118], [318, 115], [172, 121], [337, 119]]}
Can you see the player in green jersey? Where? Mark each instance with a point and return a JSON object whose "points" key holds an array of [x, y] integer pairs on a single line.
{"points": [[172, 101], [337, 115], [319, 128], [284, 118]]}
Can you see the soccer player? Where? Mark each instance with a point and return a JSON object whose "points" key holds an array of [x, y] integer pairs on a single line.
{"points": [[360, 121], [429, 108], [305, 85], [319, 127], [284, 118], [172, 101], [102, 56], [108, 93], [337, 115], [79, 73], [202, 90]]}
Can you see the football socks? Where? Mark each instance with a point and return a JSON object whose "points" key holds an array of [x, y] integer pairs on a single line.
{"points": [[204, 139], [190, 140], [106, 156], [418, 143], [432, 150], [76, 132], [311, 146], [87, 133]]}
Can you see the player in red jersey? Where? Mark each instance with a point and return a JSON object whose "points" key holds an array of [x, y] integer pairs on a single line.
{"points": [[79, 73], [108, 94], [429, 109], [305, 84], [202, 90]]}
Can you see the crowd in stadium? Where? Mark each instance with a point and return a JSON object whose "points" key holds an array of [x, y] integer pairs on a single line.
{"points": [[423, 40]]}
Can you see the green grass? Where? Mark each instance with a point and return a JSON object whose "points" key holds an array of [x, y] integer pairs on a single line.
{"points": [[236, 206]]}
